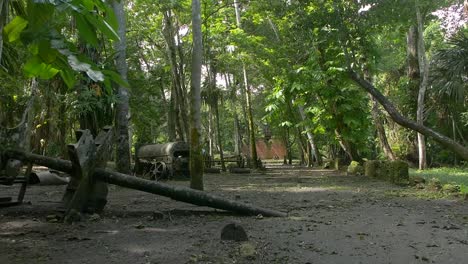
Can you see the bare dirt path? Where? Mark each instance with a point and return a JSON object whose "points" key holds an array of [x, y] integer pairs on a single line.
{"points": [[332, 219]]}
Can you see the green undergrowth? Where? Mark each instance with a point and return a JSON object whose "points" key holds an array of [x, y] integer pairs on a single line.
{"points": [[421, 194], [444, 175], [455, 176]]}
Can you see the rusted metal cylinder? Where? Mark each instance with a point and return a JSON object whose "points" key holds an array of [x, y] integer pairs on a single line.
{"points": [[171, 149]]}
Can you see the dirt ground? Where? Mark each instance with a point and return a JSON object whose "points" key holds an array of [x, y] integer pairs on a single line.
{"points": [[332, 218]]}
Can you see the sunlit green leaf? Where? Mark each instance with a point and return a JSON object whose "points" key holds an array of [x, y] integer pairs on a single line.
{"points": [[13, 29], [35, 67]]}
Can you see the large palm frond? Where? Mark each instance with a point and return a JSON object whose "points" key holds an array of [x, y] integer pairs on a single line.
{"points": [[449, 76]]}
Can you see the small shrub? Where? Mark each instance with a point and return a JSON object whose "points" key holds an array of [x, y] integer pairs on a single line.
{"points": [[371, 168], [355, 168], [434, 184], [451, 188], [464, 189], [399, 171], [337, 163], [392, 171], [415, 180]]}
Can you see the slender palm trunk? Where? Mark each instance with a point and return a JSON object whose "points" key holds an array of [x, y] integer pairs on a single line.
{"points": [[196, 158], [424, 69], [236, 132], [252, 140], [310, 136], [177, 76], [122, 106], [3, 20], [220, 136], [376, 113]]}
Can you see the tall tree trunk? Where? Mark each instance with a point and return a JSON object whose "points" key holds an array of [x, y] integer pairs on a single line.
{"points": [[196, 158], [237, 141], [376, 116], [122, 106], [344, 144], [220, 136], [424, 69], [398, 118], [236, 134], [171, 125], [412, 54], [215, 100], [29, 119], [210, 130], [414, 80], [3, 20], [252, 140], [177, 77], [288, 146], [310, 136]]}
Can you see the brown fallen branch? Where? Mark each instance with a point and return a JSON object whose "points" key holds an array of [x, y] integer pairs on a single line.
{"points": [[177, 193], [182, 194]]}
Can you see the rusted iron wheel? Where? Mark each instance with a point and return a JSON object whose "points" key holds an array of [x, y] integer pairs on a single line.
{"points": [[159, 171]]}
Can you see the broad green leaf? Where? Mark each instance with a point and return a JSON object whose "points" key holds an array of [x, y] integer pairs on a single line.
{"points": [[34, 48], [115, 77], [34, 67], [88, 4], [14, 28], [46, 53], [102, 26], [86, 30], [40, 13], [68, 77], [108, 85], [110, 17]]}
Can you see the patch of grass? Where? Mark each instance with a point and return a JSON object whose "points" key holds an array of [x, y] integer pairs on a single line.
{"points": [[457, 176], [419, 194]]}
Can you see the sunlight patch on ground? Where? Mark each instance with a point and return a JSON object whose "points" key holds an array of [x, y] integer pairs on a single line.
{"points": [[110, 232], [137, 249], [292, 189], [19, 224], [298, 218], [158, 230]]}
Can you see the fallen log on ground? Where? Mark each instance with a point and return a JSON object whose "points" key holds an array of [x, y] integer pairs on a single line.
{"points": [[177, 193], [180, 193]]}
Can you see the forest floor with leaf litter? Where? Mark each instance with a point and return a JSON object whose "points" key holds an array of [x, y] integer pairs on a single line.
{"points": [[333, 218]]}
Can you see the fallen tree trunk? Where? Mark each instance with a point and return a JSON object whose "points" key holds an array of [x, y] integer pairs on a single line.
{"points": [[403, 121], [180, 193], [53, 163], [177, 193]]}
